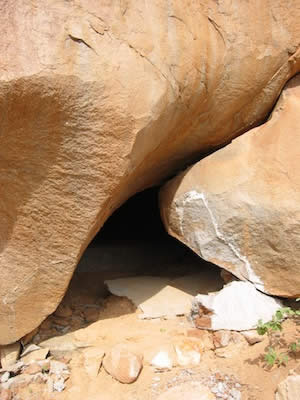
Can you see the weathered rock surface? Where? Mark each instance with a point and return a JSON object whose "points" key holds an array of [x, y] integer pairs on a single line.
{"points": [[9, 354], [162, 296], [239, 207], [100, 100], [122, 364], [238, 306], [289, 389]]}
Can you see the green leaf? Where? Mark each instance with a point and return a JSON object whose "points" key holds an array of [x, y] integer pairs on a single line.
{"points": [[283, 359], [294, 347], [271, 357]]}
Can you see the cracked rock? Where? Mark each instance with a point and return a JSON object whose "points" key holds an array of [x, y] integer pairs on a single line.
{"points": [[239, 207]]}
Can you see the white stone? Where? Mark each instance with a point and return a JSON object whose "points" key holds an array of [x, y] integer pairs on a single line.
{"points": [[58, 368], [59, 385], [5, 377], [238, 306], [162, 360]]}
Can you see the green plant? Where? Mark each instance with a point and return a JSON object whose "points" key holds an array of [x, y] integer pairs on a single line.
{"points": [[295, 346], [272, 356]]}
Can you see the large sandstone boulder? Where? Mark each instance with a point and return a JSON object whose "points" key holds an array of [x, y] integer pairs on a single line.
{"points": [[240, 207], [101, 99]]}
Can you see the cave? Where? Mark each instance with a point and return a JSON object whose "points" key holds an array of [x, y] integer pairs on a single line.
{"points": [[134, 242]]}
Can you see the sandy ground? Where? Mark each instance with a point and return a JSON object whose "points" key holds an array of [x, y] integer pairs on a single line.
{"points": [[103, 320]]}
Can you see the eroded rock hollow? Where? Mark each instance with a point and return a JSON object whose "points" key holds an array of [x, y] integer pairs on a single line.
{"points": [[102, 99]]}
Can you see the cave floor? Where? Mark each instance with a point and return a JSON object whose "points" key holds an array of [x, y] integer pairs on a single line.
{"points": [[88, 317]]}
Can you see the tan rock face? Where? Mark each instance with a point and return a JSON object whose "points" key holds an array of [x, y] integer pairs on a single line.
{"points": [[239, 207], [101, 99]]}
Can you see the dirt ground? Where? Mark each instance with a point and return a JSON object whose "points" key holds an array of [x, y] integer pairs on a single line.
{"points": [[95, 319]]}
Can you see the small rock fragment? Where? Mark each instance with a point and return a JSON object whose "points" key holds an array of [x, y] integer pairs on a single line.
{"points": [[35, 355], [93, 360], [162, 361], [14, 369], [234, 394], [122, 364], [5, 377], [59, 385], [221, 338], [58, 368], [188, 352], [32, 369], [9, 354], [252, 337], [22, 381], [28, 349], [205, 338]]}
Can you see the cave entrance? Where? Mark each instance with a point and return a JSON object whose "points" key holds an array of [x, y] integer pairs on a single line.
{"points": [[133, 242], [131, 266]]}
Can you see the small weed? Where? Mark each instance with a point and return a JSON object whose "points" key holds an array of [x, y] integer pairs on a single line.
{"points": [[272, 357], [295, 346]]}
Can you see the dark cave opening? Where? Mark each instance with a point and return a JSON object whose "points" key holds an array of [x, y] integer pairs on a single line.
{"points": [[134, 242], [134, 245], [137, 219]]}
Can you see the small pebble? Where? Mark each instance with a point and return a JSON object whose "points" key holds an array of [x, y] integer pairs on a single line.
{"points": [[5, 377]]}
